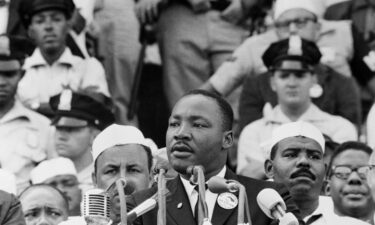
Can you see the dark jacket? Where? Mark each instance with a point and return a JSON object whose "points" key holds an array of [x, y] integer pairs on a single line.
{"points": [[184, 215], [10, 210]]}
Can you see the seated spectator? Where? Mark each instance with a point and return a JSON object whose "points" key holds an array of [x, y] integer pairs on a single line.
{"points": [[121, 152], [301, 17], [291, 62], [25, 136], [52, 67], [78, 119], [44, 204], [61, 174], [347, 183], [296, 160]]}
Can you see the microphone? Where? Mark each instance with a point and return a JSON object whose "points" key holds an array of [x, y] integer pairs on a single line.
{"points": [[96, 207], [142, 208], [274, 207], [219, 185], [194, 172]]}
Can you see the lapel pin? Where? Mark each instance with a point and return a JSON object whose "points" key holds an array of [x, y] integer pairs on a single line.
{"points": [[179, 205], [227, 200]]}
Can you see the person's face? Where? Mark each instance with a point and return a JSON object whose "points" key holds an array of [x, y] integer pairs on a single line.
{"points": [[195, 135], [129, 162], [43, 206], [292, 87], [73, 142], [68, 184], [351, 196], [126, 161], [297, 22], [49, 29], [8, 85], [298, 164]]}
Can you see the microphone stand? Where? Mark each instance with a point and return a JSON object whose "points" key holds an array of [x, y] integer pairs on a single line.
{"points": [[161, 198], [121, 184]]}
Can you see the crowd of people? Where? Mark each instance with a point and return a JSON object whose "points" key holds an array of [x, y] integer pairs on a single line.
{"points": [[264, 93]]}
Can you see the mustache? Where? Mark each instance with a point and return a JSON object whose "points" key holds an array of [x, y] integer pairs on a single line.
{"points": [[303, 172]]}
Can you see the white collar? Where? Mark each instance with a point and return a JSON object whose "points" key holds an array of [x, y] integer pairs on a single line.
{"points": [[189, 188], [37, 59]]}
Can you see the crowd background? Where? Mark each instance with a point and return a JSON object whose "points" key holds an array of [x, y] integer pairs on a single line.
{"points": [[88, 64]]}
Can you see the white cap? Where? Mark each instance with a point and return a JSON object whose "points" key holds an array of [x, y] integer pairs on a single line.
{"points": [[51, 168], [8, 182], [294, 129], [315, 6], [116, 135]]}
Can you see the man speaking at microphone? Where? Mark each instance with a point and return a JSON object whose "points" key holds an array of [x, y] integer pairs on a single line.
{"points": [[200, 133]]}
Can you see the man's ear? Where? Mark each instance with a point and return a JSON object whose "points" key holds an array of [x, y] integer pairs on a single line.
{"points": [[227, 139], [327, 188], [268, 168]]}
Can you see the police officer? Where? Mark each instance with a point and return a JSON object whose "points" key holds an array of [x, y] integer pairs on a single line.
{"points": [[78, 119]]}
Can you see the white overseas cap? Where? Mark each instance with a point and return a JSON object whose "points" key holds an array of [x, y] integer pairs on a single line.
{"points": [[8, 182], [116, 135], [314, 6], [51, 168], [295, 129]]}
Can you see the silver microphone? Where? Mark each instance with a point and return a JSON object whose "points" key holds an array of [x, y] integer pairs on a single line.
{"points": [[219, 185], [96, 207], [274, 207]]}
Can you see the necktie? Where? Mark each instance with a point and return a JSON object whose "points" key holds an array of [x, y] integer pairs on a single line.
{"points": [[313, 218], [198, 209]]}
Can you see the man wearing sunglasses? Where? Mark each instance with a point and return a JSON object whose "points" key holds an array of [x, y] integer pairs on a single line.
{"points": [[291, 62], [347, 183]]}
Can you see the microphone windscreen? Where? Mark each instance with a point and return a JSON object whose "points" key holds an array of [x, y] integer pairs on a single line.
{"points": [[96, 202], [217, 185], [267, 199]]}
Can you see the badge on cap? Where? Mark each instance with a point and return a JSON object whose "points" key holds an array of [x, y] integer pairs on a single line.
{"points": [[316, 91], [295, 45], [65, 100], [227, 200]]}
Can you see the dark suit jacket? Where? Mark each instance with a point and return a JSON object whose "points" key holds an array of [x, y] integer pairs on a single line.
{"points": [[184, 215], [15, 26]]}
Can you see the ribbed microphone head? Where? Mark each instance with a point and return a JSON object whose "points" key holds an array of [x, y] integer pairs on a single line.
{"points": [[267, 199], [96, 206]]}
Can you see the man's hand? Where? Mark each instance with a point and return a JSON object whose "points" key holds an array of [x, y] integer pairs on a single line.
{"points": [[147, 11], [234, 12]]}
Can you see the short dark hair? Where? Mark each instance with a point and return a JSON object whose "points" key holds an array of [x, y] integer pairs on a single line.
{"points": [[226, 110], [349, 145], [42, 185], [149, 159]]}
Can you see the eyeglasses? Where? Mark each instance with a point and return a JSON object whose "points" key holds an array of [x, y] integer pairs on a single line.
{"points": [[343, 172], [299, 22]]}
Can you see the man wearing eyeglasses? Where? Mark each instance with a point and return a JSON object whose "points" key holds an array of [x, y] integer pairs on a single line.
{"points": [[347, 183], [291, 62]]}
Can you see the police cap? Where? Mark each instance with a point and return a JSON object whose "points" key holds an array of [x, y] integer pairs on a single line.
{"points": [[78, 110]]}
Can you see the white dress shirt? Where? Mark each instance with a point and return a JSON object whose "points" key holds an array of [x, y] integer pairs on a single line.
{"points": [[193, 194]]}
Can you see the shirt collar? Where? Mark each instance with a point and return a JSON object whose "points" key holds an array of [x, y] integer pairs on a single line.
{"points": [[189, 188], [37, 59], [312, 114], [16, 112]]}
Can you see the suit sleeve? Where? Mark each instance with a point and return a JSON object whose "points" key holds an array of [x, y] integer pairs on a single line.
{"points": [[11, 211]]}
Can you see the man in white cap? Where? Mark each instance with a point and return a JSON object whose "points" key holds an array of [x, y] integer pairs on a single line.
{"points": [[121, 152], [60, 173], [296, 160], [333, 38], [291, 62]]}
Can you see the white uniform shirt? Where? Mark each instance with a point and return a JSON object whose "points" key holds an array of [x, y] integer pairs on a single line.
{"points": [[42, 81]]}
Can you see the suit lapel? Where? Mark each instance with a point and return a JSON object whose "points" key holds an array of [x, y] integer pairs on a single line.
{"points": [[220, 215], [178, 205]]}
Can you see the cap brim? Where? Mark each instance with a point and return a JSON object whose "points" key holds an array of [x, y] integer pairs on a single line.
{"points": [[62, 121], [10, 65]]}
